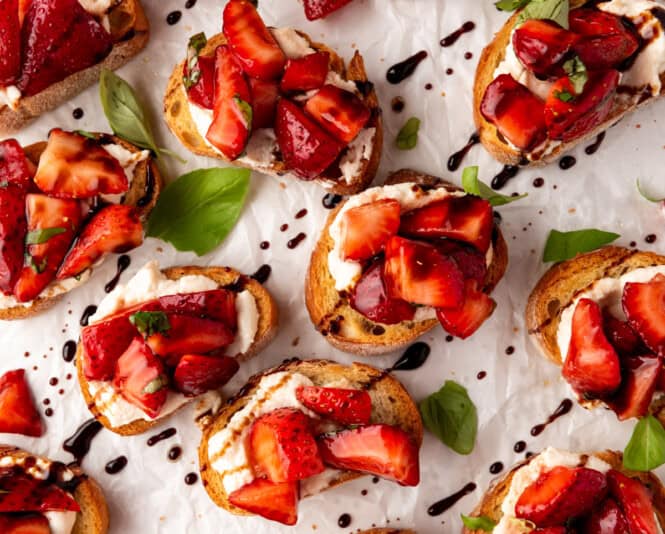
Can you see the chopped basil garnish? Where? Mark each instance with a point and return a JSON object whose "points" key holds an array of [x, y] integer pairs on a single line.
{"points": [[196, 44], [37, 237], [407, 138], [562, 246], [577, 74], [482, 522], [474, 186], [150, 322]]}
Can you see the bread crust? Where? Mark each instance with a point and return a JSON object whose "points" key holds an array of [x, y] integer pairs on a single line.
{"points": [[354, 333], [490, 58], [391, 404], [129, 28], [144, 172], [266, 331], [179, 120]]}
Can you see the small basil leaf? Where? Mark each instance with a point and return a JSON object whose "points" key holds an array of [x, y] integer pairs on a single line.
{"points": [[564, 96], [198, 210], [577, 74], [555, 10], [478, 523], [246, 111], [473, 186], [150, 322], [195, 45], [646, 449], [646, 195], [85, 133], [37, 267], [407, 138], [562, 246], [510, 5], [155, 385], [37, 237], [451, 416]]}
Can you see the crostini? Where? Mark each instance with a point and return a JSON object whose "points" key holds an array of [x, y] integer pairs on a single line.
{"points": [[305, 427], [367, 291], [64, 205], [556, 492], [41, 496], [166, 338], [53, 49], [541, 89], [600, 316], [274, 101]]}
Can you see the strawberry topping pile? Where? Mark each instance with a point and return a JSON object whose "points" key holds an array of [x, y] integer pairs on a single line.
{"points": [[54, 223], [249, 83], [582, 67], [286, 446], [18, 414], [431, 256]]}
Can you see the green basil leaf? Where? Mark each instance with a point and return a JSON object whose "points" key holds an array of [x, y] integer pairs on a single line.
{"points": [[646, 449], [478, 523], [562, 246], [555, 10], [150, 322], [473, 186], [407, 138], [37, 267], [451, 416], [646, 195], [85, 133], [564, 96], [155, 385], [510, 5], [195, 45], [37, 237], [246, 110], [199, 209], [577, 74]]}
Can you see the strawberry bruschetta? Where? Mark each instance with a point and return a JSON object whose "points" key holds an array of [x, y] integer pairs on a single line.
{"points": [[305, 427], [64, 205], [549, 81], [53, 49], [276, 102], [394, 261]]}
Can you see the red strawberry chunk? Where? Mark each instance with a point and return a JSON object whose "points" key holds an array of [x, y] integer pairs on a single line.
{"points": [[19, 492], [382, 450], [276, 502], [644, 305], [194, 374], [550, 530], [640, 380], [281, 446], [464, 320], [24, 524], [592, 365], [318, 9], [636, 502], [542, 46], [418, 273], [623, 338], [15, 167], [251, 41], [18, 414], [365, 229], [344, 406], [305, 73], [10, 43], [202, 93], [340, 112], [13, 228], [190, 335], [607, 519], [217, 304], [264, 102], [470, 260]]}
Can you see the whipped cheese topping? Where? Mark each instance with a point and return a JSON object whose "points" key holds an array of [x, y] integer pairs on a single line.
{"points": [[128, 161], [10, 96], [55, 288], [61, 522]]}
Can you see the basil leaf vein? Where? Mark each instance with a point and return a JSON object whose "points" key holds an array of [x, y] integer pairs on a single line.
{"points": [[646, 449], [473, 186], [407, 138], [478, 523], [562, 246]]}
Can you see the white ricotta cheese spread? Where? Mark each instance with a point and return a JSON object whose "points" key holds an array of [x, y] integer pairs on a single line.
{"points": [[128, 161], [10, 96], [55, 288]]}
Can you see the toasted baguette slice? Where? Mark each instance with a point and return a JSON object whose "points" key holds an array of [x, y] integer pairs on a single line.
{"points": [[143, 193], [391, 404], [130, 31], [94, 515], [224, 276], [490, 506], [353, 332], [179, 119], [491, 57]]}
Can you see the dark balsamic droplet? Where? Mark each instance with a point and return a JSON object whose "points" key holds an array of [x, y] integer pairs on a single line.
{"points": [[567, 162], [190, 4], [77, 114], [115, 466], [453, 37], [510, 350], [507, 173], [496, 468], [69, 350], [520, 446], [293, 243], [173, 17], [456, 159], [449, 338], [413, 358], [284, 228], [444, 504], [651, 238], [262, 274], [53, 381], [363, 492], [89, 311], [538, 182], [397, 104], [48, 412], [428, 86], [468, 55], [174, 453], [301, 213], [79, 443], [449, 71], [164, 434], [481, 375], [563, 408], [375, 480], [191, 478], [123, 262], [402, 70], [330, 200], [344, 520], [264, 245], [593, 148]]}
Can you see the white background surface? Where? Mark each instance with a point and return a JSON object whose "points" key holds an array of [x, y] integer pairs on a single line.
{"points": [[520, 390]]}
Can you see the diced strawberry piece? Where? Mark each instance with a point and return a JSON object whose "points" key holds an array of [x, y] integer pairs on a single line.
{"points": [[383, 450], [592, 365], [114, 228], [464, 320], [24, 524], [281, 446], [644, 305], [639, 385], [13, 227], [15, 167], [18, 414], [550, 530], [307, 149], [52, 226], [218, 304], [340, 112], [20, 492], [418, 273], [232, 117], [190, 335], [542, 45], [370, 298], [140, 378], [252, 42], [10, 43], [469, 259], [365, 229], [607, 519], [318, 9], [570, 116], [264, 102], [277, 502], [305, 73], [344, 406], [515, 111], [194, 374], [622, 336], [560, 494], [636, 502], [202, 93]]}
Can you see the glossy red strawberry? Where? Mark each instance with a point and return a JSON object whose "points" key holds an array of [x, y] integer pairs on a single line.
{"points": [[195, 374], [19, 492], [18, 414], [264, 102], [305, 73], [469, 259], [551, 530], [607, 519], [339, 112], [641, 376], [190, 335], [542, 45], [24, 524], [218, 304], [464, 320], [365, 229], [318, 9], [636, 502], [13, 228], [344, 406], [202, 93], [15, 167], [10, 43], [622, 336], [644, 305], [277, 502]]}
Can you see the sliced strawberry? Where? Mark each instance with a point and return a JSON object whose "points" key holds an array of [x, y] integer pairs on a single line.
{"points": [[365, 229], [639, 385], [23, 6], [307, 149], [340, 112], [277, 502], [114, 228], [607, 519], [382, 450], [218, 304], [252, 42], [194, 374], [19, 492], [264, 102], [318, 9], [24, 524], [560, 494], [305, 73], [570, 116], [469, 259], [464, 320], [52, 226], [140, 379], [542, 45], [550, 530], [623, 338], [592, 365], [344, 406], [15, 167], [13, 228], [190, 335], [636, 502], [10, 43], [515, 111], [232, 116], [281, 446], [18, 414], [644, 305], [202, 93]]}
